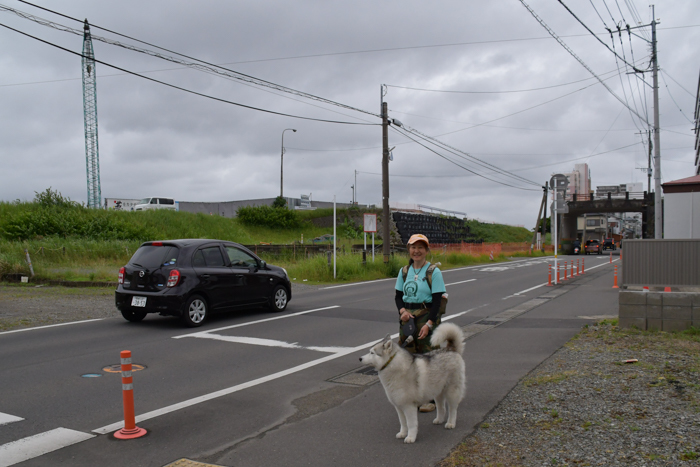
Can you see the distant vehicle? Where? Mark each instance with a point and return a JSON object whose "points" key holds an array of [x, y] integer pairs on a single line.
{"points": [[577, 246], [609, 244], [147, 204], [593, 246], [191, 279]]}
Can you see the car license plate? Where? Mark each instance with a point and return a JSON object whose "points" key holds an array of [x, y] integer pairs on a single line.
{"points": [[138, 301]]}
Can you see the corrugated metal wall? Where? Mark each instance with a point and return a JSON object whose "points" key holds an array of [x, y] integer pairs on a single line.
{"points": [[661, 262]]}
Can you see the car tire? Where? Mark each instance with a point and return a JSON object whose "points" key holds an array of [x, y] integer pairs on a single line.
{"points": [[134, 316], [195, 312], [279, 298]]}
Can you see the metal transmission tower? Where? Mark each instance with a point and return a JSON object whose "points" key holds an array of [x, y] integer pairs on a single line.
{"points": [[92, 156]]}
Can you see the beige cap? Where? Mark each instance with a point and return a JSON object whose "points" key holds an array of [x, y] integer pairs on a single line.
{"points": [[418, 238]]}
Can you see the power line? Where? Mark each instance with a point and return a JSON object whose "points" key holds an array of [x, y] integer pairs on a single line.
{"points": [[460, 165], [674, 100], [571, 52], [184, 89], [201, 66], [598, 38]]}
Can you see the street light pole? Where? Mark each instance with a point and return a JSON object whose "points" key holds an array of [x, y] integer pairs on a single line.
{"points": [[282, 163]]}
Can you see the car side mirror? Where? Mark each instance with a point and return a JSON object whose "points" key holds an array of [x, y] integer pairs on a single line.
{"points": [[263, 264]]}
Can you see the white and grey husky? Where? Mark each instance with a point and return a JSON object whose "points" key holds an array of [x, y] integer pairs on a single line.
{"points": [[412, 380]]}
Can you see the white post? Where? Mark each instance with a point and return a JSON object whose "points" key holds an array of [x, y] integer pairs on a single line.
{"points": [[373, 247], [556, 238], [334, 237], [365, 241]]}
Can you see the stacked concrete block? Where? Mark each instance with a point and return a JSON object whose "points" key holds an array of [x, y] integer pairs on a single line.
{"points": [[662, 311]]}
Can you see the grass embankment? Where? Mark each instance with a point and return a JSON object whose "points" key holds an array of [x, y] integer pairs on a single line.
{"points": [[69, 242]]}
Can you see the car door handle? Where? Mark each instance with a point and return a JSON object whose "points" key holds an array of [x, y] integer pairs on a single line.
{"points": [[205, 276]]}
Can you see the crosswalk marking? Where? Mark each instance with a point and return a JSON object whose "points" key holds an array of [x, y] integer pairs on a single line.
{"points": [[7, 418], [37, 445]]}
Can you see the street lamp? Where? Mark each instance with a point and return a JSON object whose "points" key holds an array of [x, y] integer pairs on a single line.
{"points": [[282, 162]]}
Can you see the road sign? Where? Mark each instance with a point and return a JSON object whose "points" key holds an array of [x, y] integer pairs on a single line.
{"points": [[559, 182], [562, 207], [370, 223]]}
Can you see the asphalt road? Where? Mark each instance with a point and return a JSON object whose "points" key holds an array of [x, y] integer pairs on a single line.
{"points": [[258, 388]]}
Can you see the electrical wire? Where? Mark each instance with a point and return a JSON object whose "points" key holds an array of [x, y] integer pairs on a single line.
{"points": [[460, 165], [184, 89], [466, 156], [571, 52], [674, 100], [575, 159], [201, 66]]}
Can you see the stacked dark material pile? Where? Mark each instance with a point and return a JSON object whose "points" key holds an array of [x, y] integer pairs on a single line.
{"points": [[438, 229]]}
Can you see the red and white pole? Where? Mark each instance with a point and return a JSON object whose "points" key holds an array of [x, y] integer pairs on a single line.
{"points": [[578, 263], [583, 265], [610, 258], [565, 270], [549, 280], [615, 284], [572, 268], [130, 429]]}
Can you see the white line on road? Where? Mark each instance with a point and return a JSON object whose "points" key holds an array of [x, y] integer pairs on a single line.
{"points": [[461, 282], [197, 334], [7, 418], [357, 283], [267, 342], [51, 326], [249, 384], [37, 445]]}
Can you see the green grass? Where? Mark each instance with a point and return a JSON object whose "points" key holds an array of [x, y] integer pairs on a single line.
{"points": [[69, 242]]}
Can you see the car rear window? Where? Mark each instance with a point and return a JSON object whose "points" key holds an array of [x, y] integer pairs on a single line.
{"points": [[154, 256]]}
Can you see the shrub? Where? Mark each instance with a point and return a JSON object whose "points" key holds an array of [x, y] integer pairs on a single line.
{"points": [[267, 216]]}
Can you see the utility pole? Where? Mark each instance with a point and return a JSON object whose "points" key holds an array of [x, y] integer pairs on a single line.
{"points": [[386, 248], [354, 193], [544, 219], [92, 153], [658, 226], [537, 224]]}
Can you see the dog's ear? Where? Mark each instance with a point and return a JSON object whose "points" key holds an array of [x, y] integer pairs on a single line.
{"points": [[387, 342]]}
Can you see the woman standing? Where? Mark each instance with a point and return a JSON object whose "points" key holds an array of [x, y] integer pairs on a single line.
{"points": [[416, 299]]}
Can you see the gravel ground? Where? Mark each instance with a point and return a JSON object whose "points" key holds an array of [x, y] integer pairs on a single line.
{"points": [[23, 306], [584, 406]]}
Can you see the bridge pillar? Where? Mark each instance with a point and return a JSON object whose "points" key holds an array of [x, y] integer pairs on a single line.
{"points": [[569, 231]]}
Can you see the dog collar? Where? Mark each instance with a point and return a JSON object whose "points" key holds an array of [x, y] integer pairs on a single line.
{"points": [[388, 361]]}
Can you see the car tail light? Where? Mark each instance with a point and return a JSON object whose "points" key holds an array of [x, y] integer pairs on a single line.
{"points": [[173, 278], [121, 275], [157, 244]]}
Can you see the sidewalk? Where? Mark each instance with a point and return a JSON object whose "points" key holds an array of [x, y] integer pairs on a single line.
{"points": [[361, 430]]}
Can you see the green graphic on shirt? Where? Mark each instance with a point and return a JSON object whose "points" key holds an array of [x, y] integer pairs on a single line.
{"points": [[410, 289]]}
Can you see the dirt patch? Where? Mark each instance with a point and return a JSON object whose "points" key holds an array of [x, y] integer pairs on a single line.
{"points": [[23, 306]]}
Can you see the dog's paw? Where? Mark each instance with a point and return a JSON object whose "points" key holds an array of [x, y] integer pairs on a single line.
{"points": [[409, 439], [401, 434], [449, 426], [437, 421]]}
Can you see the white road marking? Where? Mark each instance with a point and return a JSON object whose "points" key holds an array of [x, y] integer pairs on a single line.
{"points": [[37, 445], [196, 334], [249, 384], [7, 418], [357, 283], [51, 326], [461, 282], [267, 342]]}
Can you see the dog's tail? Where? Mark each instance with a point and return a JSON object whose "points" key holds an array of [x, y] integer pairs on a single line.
{"points": [[449, 334]]}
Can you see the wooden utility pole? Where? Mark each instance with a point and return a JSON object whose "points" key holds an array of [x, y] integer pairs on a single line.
{"points": [[537, 224], [386, 236]]}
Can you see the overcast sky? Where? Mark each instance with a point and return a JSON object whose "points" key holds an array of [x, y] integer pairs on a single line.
{"points": [[158, 141]]}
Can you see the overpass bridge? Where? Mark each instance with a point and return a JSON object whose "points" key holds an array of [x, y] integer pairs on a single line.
{"points": [[579, 205]]}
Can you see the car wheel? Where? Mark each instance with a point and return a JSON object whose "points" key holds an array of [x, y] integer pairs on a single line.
{"points": [[133, 315], [279, 298], [195, 311]]}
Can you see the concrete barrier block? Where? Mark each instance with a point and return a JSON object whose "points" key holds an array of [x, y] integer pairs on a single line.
{"points": [[677, 299], [654, 324], [654, 298], [632, 311], [628, 297], [639, 323], [654, 312], [671, 325], [696, 316], [683, 313]]}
